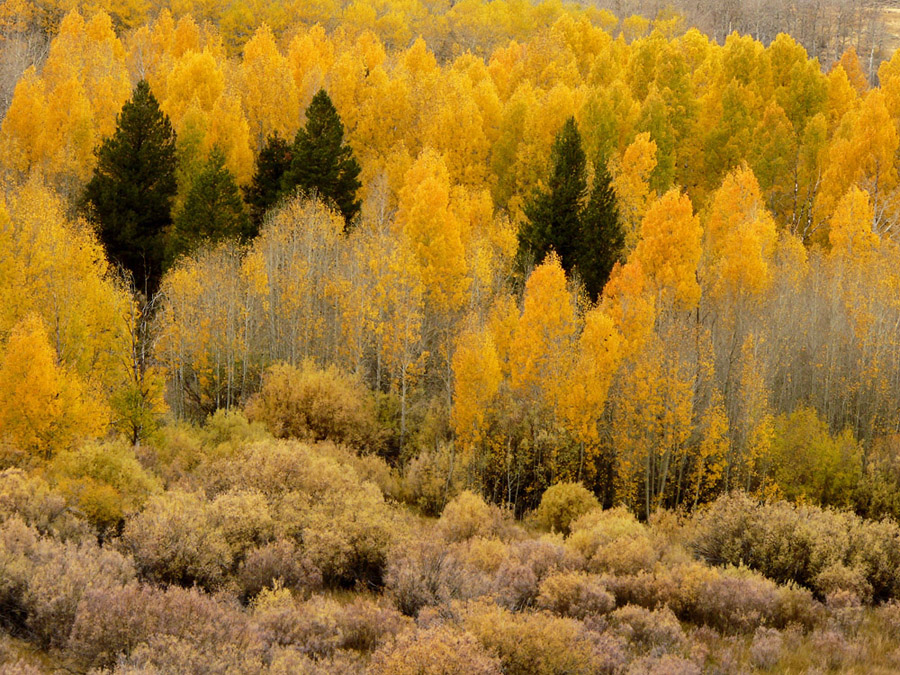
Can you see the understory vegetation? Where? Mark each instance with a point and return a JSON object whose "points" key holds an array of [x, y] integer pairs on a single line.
{"points": [[221, 549]]}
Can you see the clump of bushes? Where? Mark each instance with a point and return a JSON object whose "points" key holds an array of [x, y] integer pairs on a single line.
{"points": [[434, 651], [562, 504], [822, 549], [314, 404], [614, 541]]}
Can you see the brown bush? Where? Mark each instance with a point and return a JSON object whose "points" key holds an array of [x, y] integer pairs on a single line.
{"points": [[173, 540], [574, 594], [422, 572], [314, 404], [656, 631], [434, 651], [614, 541], [533, 643], [31, 499], [243, 518], [467, 516], [280, 562], [562, 504]]}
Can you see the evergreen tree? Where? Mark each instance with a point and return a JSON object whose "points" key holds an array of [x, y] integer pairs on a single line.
{"points": [[213, 209], [554, 215], [130, 194], [322, 164], [587, 237], [265, 189], [602, 239]]}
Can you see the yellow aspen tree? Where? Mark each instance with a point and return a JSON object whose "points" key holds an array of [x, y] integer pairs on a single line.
{"points": [[311, 57], [740, 239], [426, 220], [476, 380], [631, 183], [849, 61], [268, 89], [850, 232], [43, 407], [669, 250]]}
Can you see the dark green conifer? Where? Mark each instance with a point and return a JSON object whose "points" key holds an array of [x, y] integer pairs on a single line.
{"points": [[602, 240], [265, 188], [322, 164], [130, 194], [213, 209]]}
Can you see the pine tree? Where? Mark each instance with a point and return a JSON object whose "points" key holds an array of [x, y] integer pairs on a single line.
{"points": [[130, 194], [554, 215], [601, 241], [213, 209], [264, 190], [322, 164]]}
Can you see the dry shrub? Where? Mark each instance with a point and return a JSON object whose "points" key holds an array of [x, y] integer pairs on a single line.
{"points": [[824, 550], [343, 525], [667, 664], [368, 467], [517, 581], [30, 498], [434, 651], [244, 519], [468, 515], [321, 626], [614, 541], [574, 594], [562, 504], [422, 572], [657, 631], [765, 650], [280, 562], [104, 481], [173, 540], [59, 579], [533, 643], [163, 653], [314, 404]]}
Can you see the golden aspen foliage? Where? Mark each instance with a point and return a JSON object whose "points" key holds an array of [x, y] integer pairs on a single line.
{"points": [[849, 61], [311, 56], [630, 302], [44, 408], [850, 231], [631, 183], [740, 238], [56, 269], [540, 347], [476, 379], [842, 97], [669, 250], [268, 90], [426, 220]]}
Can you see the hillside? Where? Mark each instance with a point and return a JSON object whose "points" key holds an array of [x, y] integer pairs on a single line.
{"points": [[486, 337]]}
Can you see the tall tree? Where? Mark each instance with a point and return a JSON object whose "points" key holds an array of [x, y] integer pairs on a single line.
{"points": [[130, 194], [554, 215], [213, 210], [601, 241], [322, 163], [264, 190]]}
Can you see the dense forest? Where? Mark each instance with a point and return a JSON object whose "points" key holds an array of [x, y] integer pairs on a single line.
{"points": [[415, 337]]}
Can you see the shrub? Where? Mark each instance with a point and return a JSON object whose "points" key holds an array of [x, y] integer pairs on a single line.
{"points": [[105, 481], [279, 562], [30, 499], [244, 519], [532, 644], [613, 541], [421, 572], [467, 516], [424, 484], [174, 541], [765, 650], [656, 631], [562, 504], [434, 651], [309, 403], [574, 594], [529, 561]]}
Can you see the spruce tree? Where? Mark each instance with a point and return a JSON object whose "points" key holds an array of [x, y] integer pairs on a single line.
{"points": [[322, 163], [130, 194], [554, 215], [212, 210], [587, 237], [602, 240], [265, 188]]}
